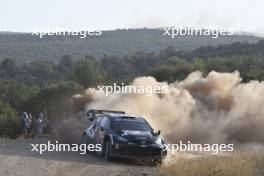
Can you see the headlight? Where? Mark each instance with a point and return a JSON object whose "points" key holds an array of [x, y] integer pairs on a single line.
{"points": [[119, 138], [158, 141]]}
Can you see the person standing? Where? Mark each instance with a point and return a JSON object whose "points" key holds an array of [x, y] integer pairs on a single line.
{"points": [[31, 125], [40, 124], [25, 124], [45, 121]]}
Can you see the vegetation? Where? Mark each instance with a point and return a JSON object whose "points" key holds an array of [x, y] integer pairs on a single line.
{"points": [[45, 85], [25, 48], [8, 120]]}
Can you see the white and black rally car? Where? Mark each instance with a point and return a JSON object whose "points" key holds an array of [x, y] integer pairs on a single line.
{"points": [[122, 135]]}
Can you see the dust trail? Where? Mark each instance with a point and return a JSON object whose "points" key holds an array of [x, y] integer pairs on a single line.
{"points": [[218, 108], [70, 129]]}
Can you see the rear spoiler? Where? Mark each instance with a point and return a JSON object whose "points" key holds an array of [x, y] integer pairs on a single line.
{"points": [[91, 114]]}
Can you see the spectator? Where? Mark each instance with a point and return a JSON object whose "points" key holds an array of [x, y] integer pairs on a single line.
{"points": [[39, 125], [25, 124]]}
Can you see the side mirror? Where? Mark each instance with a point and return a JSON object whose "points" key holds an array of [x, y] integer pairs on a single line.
{"points": [[156, 133]]}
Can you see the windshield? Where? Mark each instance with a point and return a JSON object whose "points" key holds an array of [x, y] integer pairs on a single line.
{"points": [[130, 125]]}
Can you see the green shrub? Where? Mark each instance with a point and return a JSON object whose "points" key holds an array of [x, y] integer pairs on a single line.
{"points": [[9, 121]]}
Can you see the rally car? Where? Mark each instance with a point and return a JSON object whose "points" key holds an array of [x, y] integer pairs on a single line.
{"points": [[122, 135]]}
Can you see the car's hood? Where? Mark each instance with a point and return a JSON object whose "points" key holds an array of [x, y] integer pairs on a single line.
{"points": [[137, 135]]}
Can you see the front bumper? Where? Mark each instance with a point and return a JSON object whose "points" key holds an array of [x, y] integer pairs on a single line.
{"points": [[138, 151]]}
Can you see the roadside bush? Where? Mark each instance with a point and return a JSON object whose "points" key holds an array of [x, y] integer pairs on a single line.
{"points": [[9, 121]]}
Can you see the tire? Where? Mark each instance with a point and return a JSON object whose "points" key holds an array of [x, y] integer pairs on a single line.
{"points": [[158, 162], [107, 151], [155, 162]]}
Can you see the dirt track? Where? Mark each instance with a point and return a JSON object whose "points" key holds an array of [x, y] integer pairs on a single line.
{"points": [[16, 159]]}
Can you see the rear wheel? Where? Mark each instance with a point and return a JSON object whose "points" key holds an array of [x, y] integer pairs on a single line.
{"points": [[85, 142], [107, 151]]}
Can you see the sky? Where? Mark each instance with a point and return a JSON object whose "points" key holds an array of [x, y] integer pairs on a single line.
{"points": [[27, 15]]}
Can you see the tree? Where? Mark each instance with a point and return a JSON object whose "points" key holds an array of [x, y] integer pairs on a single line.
{"points": [[53, 98], [174, 69], [66, 61], [199, 64], [163, 73], [42, 71], [16, 94], [88, 73], [9, 67]]}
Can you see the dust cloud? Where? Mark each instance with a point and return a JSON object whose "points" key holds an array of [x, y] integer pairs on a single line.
{"points": [[217, 108]]}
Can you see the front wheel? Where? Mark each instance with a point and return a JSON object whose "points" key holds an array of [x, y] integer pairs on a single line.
{"points": [[158, 162], [83, 139], [155, 162], [107, 151]]}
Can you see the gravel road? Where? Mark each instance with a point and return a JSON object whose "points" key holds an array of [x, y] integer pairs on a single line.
{"points": [[16, 159]]}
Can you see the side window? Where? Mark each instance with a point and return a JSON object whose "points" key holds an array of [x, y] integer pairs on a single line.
{"points": [[103, 122], [97, 122]]}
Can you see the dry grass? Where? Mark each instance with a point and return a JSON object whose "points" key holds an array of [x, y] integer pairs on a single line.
{"points": [[234, 165]]}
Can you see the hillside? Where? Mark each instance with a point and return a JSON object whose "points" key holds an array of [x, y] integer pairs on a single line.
{"points": [[26, 48]]}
